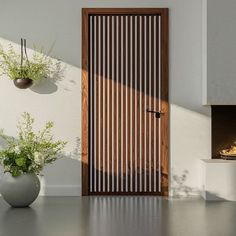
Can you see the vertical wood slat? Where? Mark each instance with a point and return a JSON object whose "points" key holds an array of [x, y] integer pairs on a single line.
{"points": [[101, 156], [119, 162], [133, 105], [157, 100], [155, 188], [128, 103], [124, 103], [147, 103], [115, 105], [137, 88], [138, 106], [92, 58], [97, 106], [150, 116], [110, 102], [143, 102], [131, 157], [105, 168], [152, 104]]}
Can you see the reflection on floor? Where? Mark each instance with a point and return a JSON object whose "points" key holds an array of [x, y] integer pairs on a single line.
{"points": [[123, 216]]}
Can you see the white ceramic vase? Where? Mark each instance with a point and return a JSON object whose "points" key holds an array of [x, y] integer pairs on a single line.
{"points": [[20, 191]]}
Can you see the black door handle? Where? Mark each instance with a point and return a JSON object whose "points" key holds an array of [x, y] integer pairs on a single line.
{"points": [[157, 113]]}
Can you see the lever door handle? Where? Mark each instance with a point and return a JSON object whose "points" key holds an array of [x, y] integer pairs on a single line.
{"points": [[157, 113]]}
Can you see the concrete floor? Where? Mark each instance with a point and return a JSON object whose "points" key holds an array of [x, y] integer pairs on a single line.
{"points": [[123, 216]]}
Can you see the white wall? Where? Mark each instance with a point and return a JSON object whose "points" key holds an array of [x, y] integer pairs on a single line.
{"points": [[44, 22], [220, 79]]}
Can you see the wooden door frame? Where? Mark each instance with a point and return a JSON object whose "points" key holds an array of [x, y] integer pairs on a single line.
{"points": [[163, 12]]}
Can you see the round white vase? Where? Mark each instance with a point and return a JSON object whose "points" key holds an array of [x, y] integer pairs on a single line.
{"points": [[20, 191]]}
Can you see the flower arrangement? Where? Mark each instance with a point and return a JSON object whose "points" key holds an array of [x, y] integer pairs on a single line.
{"points": [[19, 66], [32, 150]]}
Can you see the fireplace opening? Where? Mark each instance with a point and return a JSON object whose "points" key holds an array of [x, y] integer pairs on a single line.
{"points": [[223, 128]]}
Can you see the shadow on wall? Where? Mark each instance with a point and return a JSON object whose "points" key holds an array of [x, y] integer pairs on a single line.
{"points": [[45, 86], [77, 151], [49, 85], [179, 187]]}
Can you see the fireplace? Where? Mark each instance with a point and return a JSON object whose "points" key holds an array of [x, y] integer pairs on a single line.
{"points": [[224, 132]]}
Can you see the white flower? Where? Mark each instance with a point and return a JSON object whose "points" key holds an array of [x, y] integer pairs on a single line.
{"points": [[17, 150], [39, 158], [7, 168]]}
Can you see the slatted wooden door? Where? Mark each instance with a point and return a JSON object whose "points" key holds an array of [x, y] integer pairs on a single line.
{"points": [[125, 101]]}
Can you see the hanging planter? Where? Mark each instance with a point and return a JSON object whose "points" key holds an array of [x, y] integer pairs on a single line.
{"points": [[24, 71], [23, 82]]}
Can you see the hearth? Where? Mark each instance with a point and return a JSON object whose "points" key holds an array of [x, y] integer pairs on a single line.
{"points": [[224, 132]]}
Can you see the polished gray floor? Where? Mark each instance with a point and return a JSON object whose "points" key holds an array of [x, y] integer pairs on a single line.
{"points": [[113, 216]]}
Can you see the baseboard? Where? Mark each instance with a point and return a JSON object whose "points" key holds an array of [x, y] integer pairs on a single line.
{"points": [[60, 190], [180, 194]]}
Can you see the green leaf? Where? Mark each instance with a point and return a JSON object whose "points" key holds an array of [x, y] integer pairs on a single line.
{"points": [[15, 173], [20, 161]]}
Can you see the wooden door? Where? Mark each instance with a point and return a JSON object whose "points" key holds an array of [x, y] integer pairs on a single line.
{"points": [[125, 101]]}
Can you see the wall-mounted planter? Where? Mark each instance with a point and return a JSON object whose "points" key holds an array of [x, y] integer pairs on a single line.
{"points": [[23, 83]]}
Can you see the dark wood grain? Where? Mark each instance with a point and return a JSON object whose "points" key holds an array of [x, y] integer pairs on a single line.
{"points": [[125, 11], [164, 103], [92, 101], [85, 105]]}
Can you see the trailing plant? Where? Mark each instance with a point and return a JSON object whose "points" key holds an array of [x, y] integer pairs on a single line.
{"points": [[32, 150], [39, 66]]}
